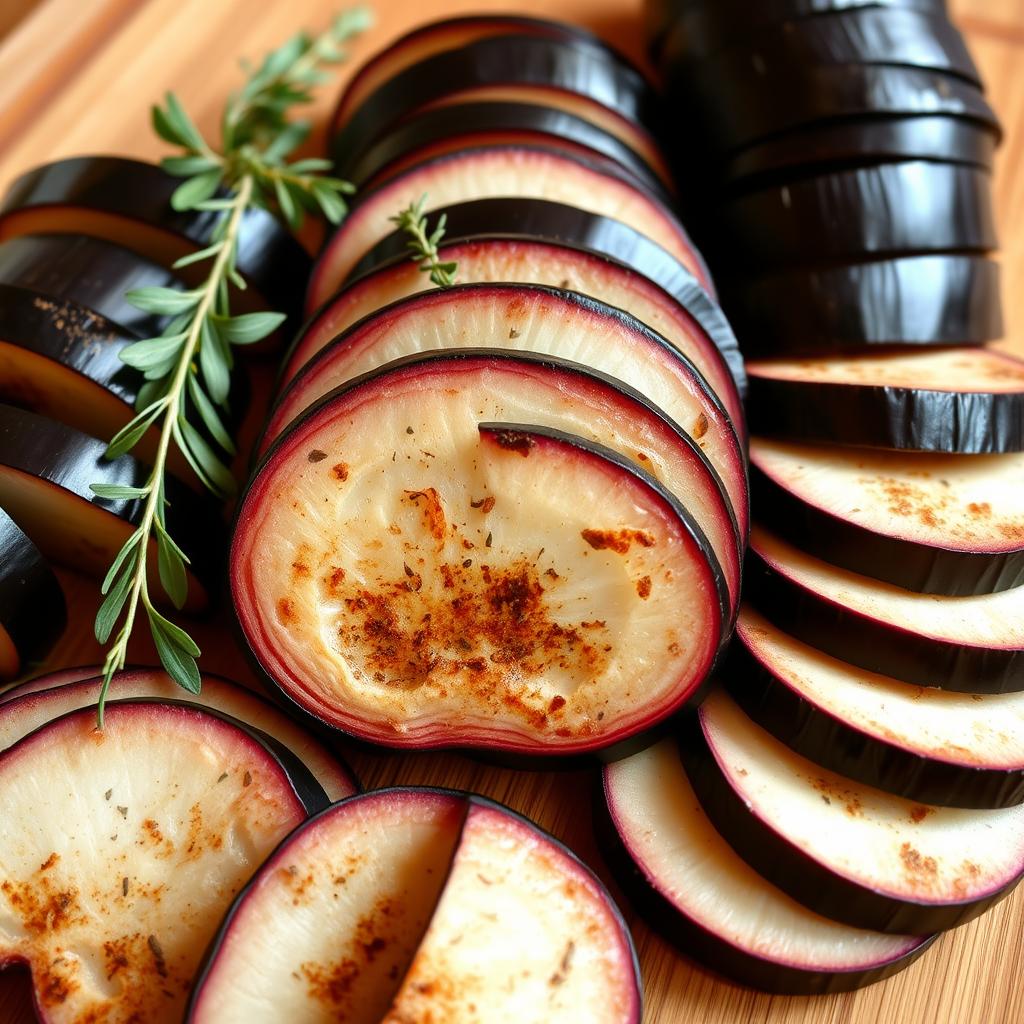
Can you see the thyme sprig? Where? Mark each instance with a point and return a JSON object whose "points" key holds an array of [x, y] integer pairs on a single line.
{"points": [[187, 368], [423, 243]]}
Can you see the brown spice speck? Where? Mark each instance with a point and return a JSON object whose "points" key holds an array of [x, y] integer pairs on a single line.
{"points": [[618, 541], [340, 471], [316, 455], [643, 587], [484, 504]]}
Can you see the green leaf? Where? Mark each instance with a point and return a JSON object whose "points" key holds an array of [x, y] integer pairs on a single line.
{"points": [[333, 206], [214, 474], [293, 136], [151, 352], [164, 128], [248, 328], [186, 166], [196, 190], [310, 165], [208, 414], [351, 22], [289, 210], [161, 529], [129, 546], [172, 570], [113, 603], [162, 301], [216, 373], [115, 492], [188, 134], [197, 257], [215, 205], [131, 433], [177, 651]]}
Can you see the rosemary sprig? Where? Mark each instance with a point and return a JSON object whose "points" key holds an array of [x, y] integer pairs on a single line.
{"points": [[188, 367], [423, 246]]}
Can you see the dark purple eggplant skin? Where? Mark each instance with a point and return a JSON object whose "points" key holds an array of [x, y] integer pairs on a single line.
{"points": [[793, 871], [32, 608], [910, 301], [518, 219], [833, 743], [524, 60], [889, 209], [268, 256], [907, 419], [711, 951], [877, 646], [923, 568]]}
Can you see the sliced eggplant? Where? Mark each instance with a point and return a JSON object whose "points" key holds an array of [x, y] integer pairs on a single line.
{"points": [[542, 220], [45, 472], [32, 610], [846, 850], [966, 400], [704, 898], [29, 709], [124, 849], [490, 172], [421, 889], [914, 300], [967, 644], [921, 743], [419, 580], [936, 524], [61, 677]]}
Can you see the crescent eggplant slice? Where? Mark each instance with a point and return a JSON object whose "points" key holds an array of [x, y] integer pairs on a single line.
{"points": [[375, 900], [32, 609], [921, 743], [48, 680], [45, 472], [914, 300], [965, 400], [126, 847], [682, 875], [846, 850], [29, 709], [935, 524], [491, 172], [129, 202], [885, 210], [545, 221], [450, 584], [966, 644]]}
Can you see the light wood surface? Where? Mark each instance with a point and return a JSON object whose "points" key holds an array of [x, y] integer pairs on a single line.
{"points": [[78, 78]]}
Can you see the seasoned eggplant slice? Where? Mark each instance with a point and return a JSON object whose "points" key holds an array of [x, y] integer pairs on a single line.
{"points": [[936, 524], [846, 850], [419, 580], [704, 898], [967, 644], [966, 400], [919, 742], [32, 609]]}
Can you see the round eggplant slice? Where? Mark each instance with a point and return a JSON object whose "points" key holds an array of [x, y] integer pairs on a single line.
{"points": [[966, 400], [449, 585], [28, 709], [921, 743], [886, 210], [967, 644], [494, 260], [45, 472], [465, 881], [915, 300], [32, 610], [846, 850], [544, 221], [704, 898], [129, 202], [491, 172], [114, 836], [935, 524]]}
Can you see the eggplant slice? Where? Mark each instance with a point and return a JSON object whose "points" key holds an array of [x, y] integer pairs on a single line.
{"points": [[416, 578], [846, 850], [921, 743], [963, 400], [704, 898], [966, 644], [32, 609], [935, 524]]}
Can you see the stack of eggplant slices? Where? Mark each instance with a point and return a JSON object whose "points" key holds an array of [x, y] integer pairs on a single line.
{"points": [[856, 784]]}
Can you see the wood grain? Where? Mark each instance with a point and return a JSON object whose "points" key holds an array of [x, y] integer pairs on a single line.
{"points": [[93, 96]]}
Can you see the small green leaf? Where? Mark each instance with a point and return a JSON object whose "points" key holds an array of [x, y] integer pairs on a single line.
{"points": [[162, 301], [208, 414], [129, 546], [113, 603], [131, 433], [215, 205], [248, 328], [196, 190], [214, 474], [152, 351], [286, 141], [164, 128], [351, 22], [289, 210], [172, 570], [188, 134], [116, 492], [310, 165], [197, 257], [333, 206], [186, 166], [162, 530], [177, 651], [212, 365]]}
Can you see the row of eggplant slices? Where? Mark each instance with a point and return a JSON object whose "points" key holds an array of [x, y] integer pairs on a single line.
{"points": [[856, 784], [75, 236], [509, 514]]}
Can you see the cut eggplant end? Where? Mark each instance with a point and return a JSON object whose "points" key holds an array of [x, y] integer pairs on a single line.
{"points": [[34, 704], [416, 588], [702, 896], [847, 850], [113, 835]]}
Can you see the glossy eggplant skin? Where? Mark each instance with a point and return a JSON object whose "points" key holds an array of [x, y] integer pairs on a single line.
{"points": [[912, 300], [268, 256], [516, 218], [796, 873], [876, 645], [32, 608]]}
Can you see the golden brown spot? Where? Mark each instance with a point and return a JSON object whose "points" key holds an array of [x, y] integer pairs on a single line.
{"points": [[919, 812], [643, 587], [982, 510], [484, 504], [915, 863], [700, 427], [300, 570], [429, 503], [340, 471], [514, 441], [41, 905], [286, 611], [830, 792], [557, 703], [618, 541], [49, 862]]}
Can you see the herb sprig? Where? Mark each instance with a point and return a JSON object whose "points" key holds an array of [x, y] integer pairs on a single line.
{"points": [[423, 243], [187, 369]]}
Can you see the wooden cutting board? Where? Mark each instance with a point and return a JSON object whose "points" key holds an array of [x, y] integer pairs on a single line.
{"points": [[78, 78]]}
